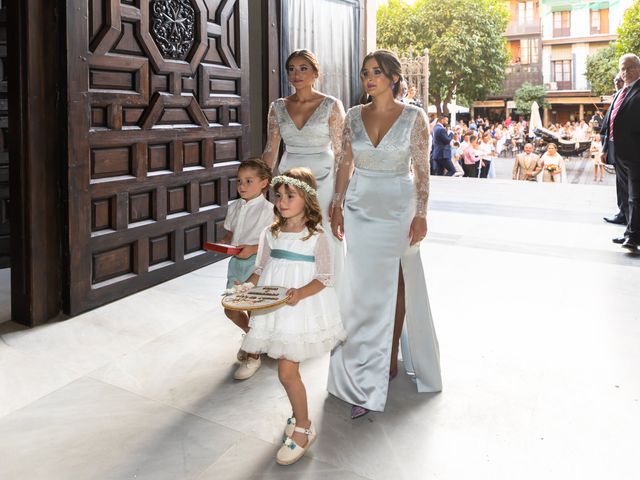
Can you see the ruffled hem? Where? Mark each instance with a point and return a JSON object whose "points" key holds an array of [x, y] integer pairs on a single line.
{"points": [[294, 347]]}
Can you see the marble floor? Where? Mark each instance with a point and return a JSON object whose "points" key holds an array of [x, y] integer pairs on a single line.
{"points": [[538, 316]]}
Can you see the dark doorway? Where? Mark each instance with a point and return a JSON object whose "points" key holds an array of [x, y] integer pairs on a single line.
{"points": [[5, 246]]}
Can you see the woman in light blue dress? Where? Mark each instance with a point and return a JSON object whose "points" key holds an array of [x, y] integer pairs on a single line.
{"points": [[379, 210], [310, 124]]}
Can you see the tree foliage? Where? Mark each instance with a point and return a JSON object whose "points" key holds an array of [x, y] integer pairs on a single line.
{"points": [[629, 31], [393, 27], [602, 68], [527, 94], [467, 51]]}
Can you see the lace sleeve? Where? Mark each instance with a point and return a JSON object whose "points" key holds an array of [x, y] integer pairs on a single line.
{"points": [[344, 163], [336, 124], [324, 261], [420, 161], [264, 251], [270, 153]]}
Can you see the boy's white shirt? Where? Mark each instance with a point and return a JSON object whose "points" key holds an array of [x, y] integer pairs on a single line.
{"points": [[247, 219]]}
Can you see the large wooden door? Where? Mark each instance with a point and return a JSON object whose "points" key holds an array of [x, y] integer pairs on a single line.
{"points": [[4, 149], [157, 122]]}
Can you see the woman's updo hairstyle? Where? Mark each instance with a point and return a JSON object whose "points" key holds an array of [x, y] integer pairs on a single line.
{"points": [[390, 65], [306, 55]]}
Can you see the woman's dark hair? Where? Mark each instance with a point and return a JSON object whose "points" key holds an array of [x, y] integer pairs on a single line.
{"points": [[260, 167], [390, 65], [306, 55]]}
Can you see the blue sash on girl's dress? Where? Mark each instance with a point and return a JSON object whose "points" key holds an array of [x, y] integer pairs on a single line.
{"points": [[287, 255]]}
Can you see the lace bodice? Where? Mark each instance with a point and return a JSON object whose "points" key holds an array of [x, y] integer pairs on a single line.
{"points": [[317, 246], [406, 144], [552, 159], [323, 130]]}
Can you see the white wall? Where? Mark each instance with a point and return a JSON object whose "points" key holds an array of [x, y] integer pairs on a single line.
{"points": [[546, 64], [581, 22], [580, 53]]}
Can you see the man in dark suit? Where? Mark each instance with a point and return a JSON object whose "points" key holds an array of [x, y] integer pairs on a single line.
{"points": [[622, 142], [622, 194], [442, 148]]}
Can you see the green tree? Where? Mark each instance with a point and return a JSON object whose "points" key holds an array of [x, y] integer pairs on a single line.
{"points": [[602, 68], [467, 52], [528, 94], [629, 31], [393, 27]]}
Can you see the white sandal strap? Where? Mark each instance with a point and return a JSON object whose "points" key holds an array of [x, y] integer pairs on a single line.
{"points": [[306, 431]]}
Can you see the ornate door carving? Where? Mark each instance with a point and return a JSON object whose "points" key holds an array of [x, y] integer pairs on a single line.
{"points": [[158, 120]]}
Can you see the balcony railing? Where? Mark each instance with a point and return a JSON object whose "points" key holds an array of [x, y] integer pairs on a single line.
{"points": [[529, 28], [555, 86], [562, 32], [516, 75]]}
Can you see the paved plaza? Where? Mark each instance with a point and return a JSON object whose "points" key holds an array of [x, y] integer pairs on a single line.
{"points": [[538, 316]]}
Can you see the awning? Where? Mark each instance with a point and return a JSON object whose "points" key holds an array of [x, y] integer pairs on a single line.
{"points": [[489, 104], [450, 107], [573, 100]]}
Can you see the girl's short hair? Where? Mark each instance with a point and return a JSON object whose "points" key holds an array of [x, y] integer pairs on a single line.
{"points": [[312, 210], [390, 65], [260, 167], [306, 55]]}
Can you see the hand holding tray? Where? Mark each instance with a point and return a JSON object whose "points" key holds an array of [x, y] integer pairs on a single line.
{"points": [[256, 298]]}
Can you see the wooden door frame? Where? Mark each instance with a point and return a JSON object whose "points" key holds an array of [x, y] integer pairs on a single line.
{"points": [[271, 53], [36, 147]]}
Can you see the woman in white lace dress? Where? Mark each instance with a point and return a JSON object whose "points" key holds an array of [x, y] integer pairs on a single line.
{"points": [[380, 208], [310, 124], [553, 169]]}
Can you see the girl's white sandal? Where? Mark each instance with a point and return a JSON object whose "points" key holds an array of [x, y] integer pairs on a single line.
{"points": [[290, 452], [289, 429]]}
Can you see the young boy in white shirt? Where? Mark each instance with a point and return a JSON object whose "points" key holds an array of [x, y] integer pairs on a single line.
{"points": [[246, 218]]}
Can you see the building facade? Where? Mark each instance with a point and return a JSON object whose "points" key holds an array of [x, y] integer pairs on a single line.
{"points": [[571, 31], [549, 42], [523, 36]]}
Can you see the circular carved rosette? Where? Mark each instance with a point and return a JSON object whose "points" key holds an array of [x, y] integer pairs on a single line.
{"points": [[173, 26]]}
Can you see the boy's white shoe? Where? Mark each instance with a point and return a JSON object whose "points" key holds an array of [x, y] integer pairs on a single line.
{"points": [[242, 355], [247, 368]]}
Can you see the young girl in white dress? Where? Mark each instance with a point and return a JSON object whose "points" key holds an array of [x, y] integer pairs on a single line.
{"points": [[295, 252]]}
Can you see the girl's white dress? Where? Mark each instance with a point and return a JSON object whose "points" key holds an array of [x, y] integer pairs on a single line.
{"points": [[313, 326]]}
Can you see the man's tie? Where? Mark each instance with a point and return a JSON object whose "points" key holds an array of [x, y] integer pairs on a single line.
{"points": [[616, 107]]}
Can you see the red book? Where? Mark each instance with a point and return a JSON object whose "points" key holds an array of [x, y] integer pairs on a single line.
{"points": [[222, 248]]}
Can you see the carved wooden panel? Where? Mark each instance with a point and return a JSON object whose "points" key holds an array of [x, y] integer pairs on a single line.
{"points": [[158, 114], [4, 149]]}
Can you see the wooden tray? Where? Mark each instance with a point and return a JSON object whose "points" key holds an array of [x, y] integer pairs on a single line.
{"points": [[257, 298]]}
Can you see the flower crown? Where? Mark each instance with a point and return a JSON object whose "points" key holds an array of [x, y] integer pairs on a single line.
{"points": [[280, 179]]}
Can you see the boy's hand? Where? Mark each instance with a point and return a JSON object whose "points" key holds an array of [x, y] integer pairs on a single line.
{"points": [[245, 253]]}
